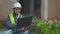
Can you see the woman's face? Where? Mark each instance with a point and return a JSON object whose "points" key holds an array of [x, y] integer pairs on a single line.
{"points": [[17, 10]]}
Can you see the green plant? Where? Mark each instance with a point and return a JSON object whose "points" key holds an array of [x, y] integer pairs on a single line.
{"points": [[56, 26], [48, 28], [2, 25], [35, 20], [34, 29], [45, 28]]}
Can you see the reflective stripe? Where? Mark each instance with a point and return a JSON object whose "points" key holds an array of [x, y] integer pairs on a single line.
{"points": [[11, 18], [19, 16]]}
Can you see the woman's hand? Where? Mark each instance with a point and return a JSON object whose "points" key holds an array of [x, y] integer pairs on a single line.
{"points": [[22, 28]]}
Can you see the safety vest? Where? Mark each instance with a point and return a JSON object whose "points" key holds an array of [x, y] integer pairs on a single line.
{"points": [[12, 21]]}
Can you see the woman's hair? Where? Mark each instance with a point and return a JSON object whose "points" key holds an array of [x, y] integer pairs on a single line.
{"points": [[20, 9]]}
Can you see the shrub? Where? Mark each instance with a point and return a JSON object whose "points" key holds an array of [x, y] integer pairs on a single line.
{"points": [[46, 28]]}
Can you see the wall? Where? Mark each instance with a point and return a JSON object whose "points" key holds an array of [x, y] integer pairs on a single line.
{"points": [[5, 8], [51, 9], [54, 9]]}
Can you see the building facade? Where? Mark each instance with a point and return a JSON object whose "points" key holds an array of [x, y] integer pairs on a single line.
{"points": [[44, 9]]}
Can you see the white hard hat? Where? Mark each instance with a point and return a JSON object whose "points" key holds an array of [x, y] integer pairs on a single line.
{"points": [[17, 4]]}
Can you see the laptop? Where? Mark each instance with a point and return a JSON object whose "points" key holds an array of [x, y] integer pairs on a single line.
{"points": [[23, 22]]}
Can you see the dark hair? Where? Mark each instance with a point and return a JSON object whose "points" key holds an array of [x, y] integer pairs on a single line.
{"points": [[20, 12]]}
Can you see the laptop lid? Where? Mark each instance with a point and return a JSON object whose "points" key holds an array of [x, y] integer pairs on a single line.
{"points": [[23, 22]]}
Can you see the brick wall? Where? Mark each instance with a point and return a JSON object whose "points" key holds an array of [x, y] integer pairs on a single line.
{"points": [[54, 9], [5, 8]]}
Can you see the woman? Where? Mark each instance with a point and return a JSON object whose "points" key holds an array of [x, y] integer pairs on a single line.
{"points": [[12, 18]]}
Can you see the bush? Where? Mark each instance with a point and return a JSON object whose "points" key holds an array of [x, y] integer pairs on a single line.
{"points": [[52, 27], [2, 25], [34, 29], [46, 28]]}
